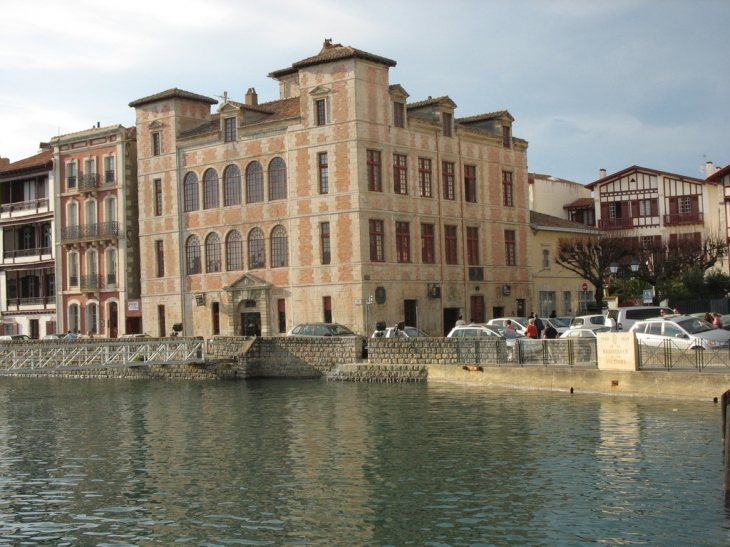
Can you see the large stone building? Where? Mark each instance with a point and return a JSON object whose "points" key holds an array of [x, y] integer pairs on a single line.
{"points": [[27, 278], [339, 201], [96, 231]]}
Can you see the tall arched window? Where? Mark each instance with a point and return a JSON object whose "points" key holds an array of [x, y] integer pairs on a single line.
{"points": [[192, 255], [111, 267], [92, 262], [110, 210], [279, 247], [234, 251], [212, 253], [74, 324], [256, 249], [277, 179], [210, 189], [73, 269], [90, 212], [232, 186], [92, 318], [190, 191], [254, 182]]}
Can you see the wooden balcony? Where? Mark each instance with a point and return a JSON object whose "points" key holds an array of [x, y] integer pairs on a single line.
{"points": [[679, 219], [623, 223]]}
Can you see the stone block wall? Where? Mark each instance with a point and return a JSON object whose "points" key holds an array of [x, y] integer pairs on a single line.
{"points": [[414, 351]]}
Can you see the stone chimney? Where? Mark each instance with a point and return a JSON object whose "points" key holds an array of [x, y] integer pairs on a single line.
{"points": [[709, 169], [251, 97], [601, 173]]}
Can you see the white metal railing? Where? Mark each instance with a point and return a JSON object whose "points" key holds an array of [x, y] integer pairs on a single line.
{"points": [[57, 355]]}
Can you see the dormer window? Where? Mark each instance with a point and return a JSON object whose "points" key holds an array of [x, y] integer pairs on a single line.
{"points": [[447, 120], [399, 114], [506, 136], [229, 126]]}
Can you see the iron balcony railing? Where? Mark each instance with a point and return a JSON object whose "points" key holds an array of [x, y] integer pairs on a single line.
{"points": [[31, 205], [25, 253], [91, 282], [89, 181], [19, 303], [90, 231]]}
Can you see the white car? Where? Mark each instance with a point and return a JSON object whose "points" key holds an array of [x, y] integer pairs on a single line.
{"points": [[684, 331], [519, 323], [584, 333], [588, 322], [512, 337], [557, 324]]}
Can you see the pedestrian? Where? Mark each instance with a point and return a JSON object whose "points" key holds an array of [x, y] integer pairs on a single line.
{"points": [[70, 335], [531, 330], [460, 321], [550, 332], [676, 311], [540, 326], [717, 321], [510, 325], [553, 314], [708, 317]]}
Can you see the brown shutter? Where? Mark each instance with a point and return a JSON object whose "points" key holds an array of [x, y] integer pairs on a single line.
{"points": [[634, 209], [673, 208], [695, 201], [604, 210], [654, 208]]}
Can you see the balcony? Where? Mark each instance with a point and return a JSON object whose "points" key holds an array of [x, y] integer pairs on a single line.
{"points": [[88, 182], [616, 223], [91, 282], [678, 219], [31, 303], [26, 255], [24, 208], [100, 230]]}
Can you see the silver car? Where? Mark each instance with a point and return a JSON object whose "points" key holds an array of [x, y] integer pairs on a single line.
{"points": [[685, 332], [513, 338]]}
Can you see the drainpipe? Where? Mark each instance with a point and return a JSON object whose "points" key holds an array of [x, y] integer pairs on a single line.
{"points": [[181, 243]]}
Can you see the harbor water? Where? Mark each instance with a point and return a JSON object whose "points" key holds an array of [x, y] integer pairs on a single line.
{"points": [[277, 462]]}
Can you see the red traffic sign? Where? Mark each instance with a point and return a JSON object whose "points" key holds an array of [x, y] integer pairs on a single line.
{"points": [[585, 286]]}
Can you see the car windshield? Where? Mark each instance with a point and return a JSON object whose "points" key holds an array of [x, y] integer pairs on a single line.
{"points": [[695, 325], [521, 320], [339, 330], [557, 322], [413, 332]]}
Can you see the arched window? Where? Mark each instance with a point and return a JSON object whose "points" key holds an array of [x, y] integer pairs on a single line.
{"points": [[279, 247], [232, 186], [90, 212], [190, 190], [256, 249], [111, 267], [73, 213], [74, 324], [192, 255], [212, 253], [110, 210], [254, 182], [210, 189], [92, 263], [73, 269], [277, 179], [92, 318], [234, 251]]}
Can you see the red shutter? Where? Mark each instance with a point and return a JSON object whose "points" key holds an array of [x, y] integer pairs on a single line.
{"points": [[625, 209], [673, 208], [604, 210], [654, 208], [634, 209], [695, 200], [673, 239]]}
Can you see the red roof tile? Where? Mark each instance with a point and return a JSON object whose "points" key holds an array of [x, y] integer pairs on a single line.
{"points": [[173, 93], [332, 52], [42, 160], [541, 220]]}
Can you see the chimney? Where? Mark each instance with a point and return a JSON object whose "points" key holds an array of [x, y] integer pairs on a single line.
{"points": [[4, 162], [709, 169], [251, 97], [601, 173]]}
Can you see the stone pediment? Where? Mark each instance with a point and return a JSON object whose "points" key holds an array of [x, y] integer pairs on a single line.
{"points": [[320, 90], [247, 282], [228, 107], [396, 90], [157, 124]]}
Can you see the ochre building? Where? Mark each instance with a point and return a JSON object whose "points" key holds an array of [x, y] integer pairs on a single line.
{"points": [[339, 201]]}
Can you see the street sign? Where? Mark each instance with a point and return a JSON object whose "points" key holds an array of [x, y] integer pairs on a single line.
{"points": [[585, 286], [648, 296]]}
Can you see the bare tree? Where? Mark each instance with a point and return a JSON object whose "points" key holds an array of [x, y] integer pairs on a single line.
{"points": [[591, 256]]}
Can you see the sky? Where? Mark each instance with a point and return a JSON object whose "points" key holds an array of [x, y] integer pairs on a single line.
{"points": [[591, 84]]}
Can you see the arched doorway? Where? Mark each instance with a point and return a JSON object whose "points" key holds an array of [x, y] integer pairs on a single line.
{"points": [[113, 320]]}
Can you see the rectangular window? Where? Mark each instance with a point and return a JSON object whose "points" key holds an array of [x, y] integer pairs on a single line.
{"points": [[156, 144], [507, 197], [545, 258], [320, 111], [109, 170], [160, 257], [472, 246], [72, 173], [327, 308], [450, 244], [510, 256], [428, 244], [424, 177], [447, 175], [377, 240], [158, 197], [644, 207], [400, 174], [161, 321], [324, 176], [470, 183], [506, 136], [399, 114], [230, 127], [324, 236], [684, 205], [375, 178], [403, 241], [446, 123], [281, 305]]}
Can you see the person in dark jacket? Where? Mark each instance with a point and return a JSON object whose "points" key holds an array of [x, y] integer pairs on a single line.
{"points": [[550, 332], [540, 326]]}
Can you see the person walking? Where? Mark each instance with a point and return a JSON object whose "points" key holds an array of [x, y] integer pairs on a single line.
{"points": [[510, 325], [717, 321], [531, 330], [539, 325], [460, 321]]}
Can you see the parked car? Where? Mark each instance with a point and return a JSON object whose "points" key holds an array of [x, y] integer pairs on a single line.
{"points": [[14, 337], [512, 337], [584, 333], [327, 329], [588, 322], [396, 332], [140, 335], [685, 331], [519, 323], [567, 319], [56, 336], [557, 324], [626, 317]]}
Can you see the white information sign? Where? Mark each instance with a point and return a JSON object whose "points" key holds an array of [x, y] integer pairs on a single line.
{"points": [[648, 296]]}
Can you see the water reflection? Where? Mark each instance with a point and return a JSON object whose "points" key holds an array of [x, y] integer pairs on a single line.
{"points": [[314, 463]]}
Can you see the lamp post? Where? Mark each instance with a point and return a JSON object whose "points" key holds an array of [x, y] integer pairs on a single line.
{"points": [[615, 267]]}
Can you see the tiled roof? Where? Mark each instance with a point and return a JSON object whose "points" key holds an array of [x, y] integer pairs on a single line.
{"points": [[173, 93], [623, 172], [332, 52], [428, 102], [487, 116], [43, 159], [253, 107], [581, 203], [203, 129], [541, 220], [717, 175], [532, 177]]}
